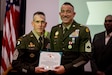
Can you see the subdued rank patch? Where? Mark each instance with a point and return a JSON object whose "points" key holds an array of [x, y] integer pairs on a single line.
{"points": [[87, 29], [15, 55], [88, 46]]}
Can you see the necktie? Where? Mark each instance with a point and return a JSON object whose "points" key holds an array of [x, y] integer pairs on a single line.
{"points": [[64, 32], [40, 41]]}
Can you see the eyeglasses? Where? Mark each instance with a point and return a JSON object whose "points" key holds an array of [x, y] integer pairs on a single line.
{"points": [[108, 20]]}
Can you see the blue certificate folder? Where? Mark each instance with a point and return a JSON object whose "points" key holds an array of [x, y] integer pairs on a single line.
{"points": [[49, 60]]}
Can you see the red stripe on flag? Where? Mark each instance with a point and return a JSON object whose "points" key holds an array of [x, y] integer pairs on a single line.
{"points": [[10, 26], [3, 64]]}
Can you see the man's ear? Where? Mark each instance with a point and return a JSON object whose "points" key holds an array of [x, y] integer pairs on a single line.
{"points": [[32, 23], [45, 24], [74, 13]]}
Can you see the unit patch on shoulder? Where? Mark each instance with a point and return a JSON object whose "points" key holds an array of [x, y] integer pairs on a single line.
{"points": [[18, 42]]}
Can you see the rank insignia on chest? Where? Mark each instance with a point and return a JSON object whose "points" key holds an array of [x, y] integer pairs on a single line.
{"points": [[88, 47], [31, 45]]}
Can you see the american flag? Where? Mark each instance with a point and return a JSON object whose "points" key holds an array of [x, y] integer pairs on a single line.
{"points": [[10, 32]]}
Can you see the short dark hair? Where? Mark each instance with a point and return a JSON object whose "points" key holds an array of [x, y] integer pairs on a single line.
{"points": [[109, 15], [68, 3], [38, 13]]}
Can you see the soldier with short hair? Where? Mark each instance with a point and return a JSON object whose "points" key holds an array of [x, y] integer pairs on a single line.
{"points": [[74, 40], [26, 55]]}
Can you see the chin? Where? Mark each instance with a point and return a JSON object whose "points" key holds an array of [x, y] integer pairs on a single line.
{"points": [[39, 31], [65, 22]]}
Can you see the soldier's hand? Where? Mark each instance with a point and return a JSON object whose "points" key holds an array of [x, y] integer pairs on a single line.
{"points": [[40, 70], [59, 70]]}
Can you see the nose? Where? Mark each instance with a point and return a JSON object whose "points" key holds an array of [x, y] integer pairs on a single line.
{"points": [[65, 13], [40, 23]]}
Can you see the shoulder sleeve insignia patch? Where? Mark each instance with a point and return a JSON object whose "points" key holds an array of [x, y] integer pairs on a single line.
{"points": [[18, 42]]}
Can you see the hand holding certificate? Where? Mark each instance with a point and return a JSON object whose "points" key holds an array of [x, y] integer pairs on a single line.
{"points": [[49, 60]]}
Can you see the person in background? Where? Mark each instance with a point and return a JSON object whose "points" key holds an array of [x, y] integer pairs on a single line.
{"points": [[73, 39], [102, 48], [26, 55]]}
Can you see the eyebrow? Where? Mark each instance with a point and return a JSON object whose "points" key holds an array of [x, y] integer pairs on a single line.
{"points": [[108, 20]]}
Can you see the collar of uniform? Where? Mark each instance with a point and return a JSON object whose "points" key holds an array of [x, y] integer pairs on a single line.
{"points": [[36, 35], [68, 27]]}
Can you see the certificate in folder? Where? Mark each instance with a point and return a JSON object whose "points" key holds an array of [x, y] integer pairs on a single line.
{"points": [[49, 60]]}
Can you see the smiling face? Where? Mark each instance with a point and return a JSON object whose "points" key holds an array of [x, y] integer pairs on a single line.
{"points": [[39, 23], [67, 14]]}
